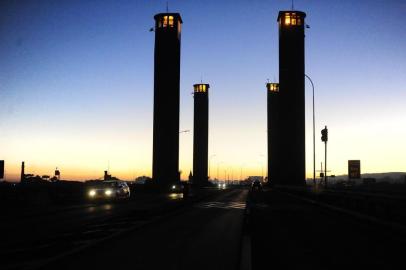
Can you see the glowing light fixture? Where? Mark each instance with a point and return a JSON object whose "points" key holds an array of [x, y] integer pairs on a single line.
{"points": [[201, 88], [292, 19], [92, 193], [168, 21], [108, 192], [272, 87], [287, 19]]}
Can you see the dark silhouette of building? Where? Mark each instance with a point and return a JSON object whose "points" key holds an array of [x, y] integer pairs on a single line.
{"points": [[201, 134], [291, 135], [22, 177], [57, 175], [1, 169], [106, 176], [273, 130], [166, 98]]}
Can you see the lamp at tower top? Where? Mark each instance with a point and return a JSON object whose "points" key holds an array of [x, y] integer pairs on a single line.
{"points": [[272, 87], [168, 21], [201, 88], [291, 18]]}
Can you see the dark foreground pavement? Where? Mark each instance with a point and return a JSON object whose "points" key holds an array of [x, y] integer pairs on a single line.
{"points": [[289, 233], [205, 236]]}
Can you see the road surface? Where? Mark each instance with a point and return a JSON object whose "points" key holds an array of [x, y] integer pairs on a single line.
{"points": [[205, 236]]}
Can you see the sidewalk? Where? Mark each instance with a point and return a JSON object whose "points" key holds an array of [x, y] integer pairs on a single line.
{"points": [[289, 233]]}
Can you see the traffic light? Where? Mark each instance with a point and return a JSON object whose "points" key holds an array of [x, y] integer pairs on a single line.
{"points": [[324, 134]]}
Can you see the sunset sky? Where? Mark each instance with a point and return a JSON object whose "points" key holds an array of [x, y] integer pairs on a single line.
{"points": [[76, 83]]}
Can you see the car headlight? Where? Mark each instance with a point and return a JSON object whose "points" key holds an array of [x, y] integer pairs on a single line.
{"points": [[92, 193], [219, 185], [173, 187], [108, 192], [224, 185]]}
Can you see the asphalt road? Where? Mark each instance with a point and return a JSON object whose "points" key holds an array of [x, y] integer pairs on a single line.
{"points": [[204, 236], [26, 229]]}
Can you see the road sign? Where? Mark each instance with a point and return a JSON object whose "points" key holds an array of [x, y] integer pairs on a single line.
{"points": [[354, 169]]}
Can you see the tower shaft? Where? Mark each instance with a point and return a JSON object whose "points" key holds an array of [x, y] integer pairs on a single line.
{"points": [[166, 98], [272, 132], [291, 98], [201, 134]]}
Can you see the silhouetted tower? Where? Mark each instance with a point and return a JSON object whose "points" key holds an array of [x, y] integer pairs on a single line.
{"points": [[291, 98], [201, 134], [57, 174], [190, 178], [273, 130], [106, 176], [166, 98], [1, 169], [22, 177]]}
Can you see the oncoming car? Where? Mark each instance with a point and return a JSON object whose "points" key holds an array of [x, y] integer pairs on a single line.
{"points": [[256, 186], [110, 189], [221, 185], [176, 187]]}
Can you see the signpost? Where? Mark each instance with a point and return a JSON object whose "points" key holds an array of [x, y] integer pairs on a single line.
{"points": [[354, 169]]}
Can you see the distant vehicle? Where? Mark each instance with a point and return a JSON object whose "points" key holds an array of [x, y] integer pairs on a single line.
{"points": [[256, 185], [221, 185], [109, 189], [176, 187]]}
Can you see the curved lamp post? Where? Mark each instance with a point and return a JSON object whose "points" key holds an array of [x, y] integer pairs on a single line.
{"points": [[314, 140], [212, 156]]}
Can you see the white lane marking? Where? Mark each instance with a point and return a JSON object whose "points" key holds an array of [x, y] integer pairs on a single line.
{"points": [[222, 205]]}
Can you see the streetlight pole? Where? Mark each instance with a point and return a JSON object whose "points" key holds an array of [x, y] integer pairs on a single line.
{"points": [[212, 156], [241, 166], [180, 132], [314, 135], [262, 166], [262, 170], [218, 166]]}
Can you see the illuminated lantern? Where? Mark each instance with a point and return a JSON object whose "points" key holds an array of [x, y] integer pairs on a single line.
{"points": [[201, 88], [273, 87]]}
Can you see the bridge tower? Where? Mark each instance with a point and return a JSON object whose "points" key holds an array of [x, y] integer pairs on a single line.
{"points": [[292, 161], [201, 134], [165, 167]]}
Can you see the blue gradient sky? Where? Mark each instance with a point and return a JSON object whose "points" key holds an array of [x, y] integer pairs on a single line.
{"points": [[76, 83]]}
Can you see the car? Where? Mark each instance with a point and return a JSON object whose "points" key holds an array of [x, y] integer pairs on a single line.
{"points": [[108, 189], [256, 186], [176, 187], [221, 185]]}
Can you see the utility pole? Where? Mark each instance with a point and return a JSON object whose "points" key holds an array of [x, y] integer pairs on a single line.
{"points": [[324, 138]]}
